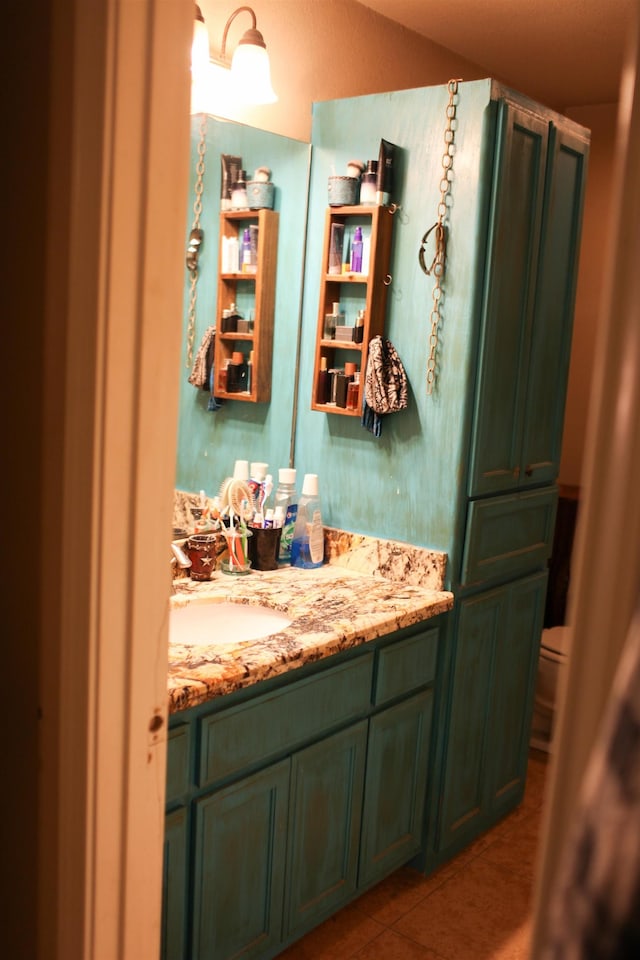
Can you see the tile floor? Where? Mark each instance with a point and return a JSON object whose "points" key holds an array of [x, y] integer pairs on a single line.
{"points": [[475, 907]]}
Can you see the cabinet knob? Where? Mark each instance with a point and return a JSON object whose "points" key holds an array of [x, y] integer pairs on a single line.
{"points": [[516, 472], [528, 471]]}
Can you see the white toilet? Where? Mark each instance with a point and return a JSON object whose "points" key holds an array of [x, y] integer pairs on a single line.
{"points": [[554, 649]]}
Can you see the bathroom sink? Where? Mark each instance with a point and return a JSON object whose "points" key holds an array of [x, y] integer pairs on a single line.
{"points": [[216, 623]]}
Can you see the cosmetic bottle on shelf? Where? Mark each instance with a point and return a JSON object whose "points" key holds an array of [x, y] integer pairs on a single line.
{"points": [[356, 251], [323, 391]]}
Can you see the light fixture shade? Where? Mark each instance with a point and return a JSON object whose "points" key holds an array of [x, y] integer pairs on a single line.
{"points": [[251, 74], [199, 45], [212, 90]]}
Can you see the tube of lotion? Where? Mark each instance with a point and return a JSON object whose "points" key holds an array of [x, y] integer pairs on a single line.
{"points": [[231, 167], [384, 175]]}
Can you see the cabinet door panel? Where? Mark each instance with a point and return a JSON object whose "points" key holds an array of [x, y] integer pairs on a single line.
{"points": [[464, 795], [174, 902], [397, 757], [515, 673], [554, 303], [514, 235], [239, 867], [508, 535], [326, 809]]}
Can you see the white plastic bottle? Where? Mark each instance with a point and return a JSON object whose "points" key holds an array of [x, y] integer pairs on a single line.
{"points": [[257, 480], [307, 549], [287, 499]]}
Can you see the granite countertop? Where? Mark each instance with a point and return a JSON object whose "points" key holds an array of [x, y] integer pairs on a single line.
{"points": [[367, 589]]}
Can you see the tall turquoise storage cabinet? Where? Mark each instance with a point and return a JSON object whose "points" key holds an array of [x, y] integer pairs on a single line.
{"points": [[472, 469], [526, 318]]}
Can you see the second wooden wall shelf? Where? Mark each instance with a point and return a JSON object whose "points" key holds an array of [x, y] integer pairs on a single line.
{"points": [[363, 293]]}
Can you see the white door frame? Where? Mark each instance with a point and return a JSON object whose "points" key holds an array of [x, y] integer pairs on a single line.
{"points": [[605, 586], [119, 108]]}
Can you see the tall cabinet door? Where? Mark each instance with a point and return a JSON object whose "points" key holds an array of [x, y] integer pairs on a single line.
{"points": [[515, 672], [480, 620], [507, 308], [327, 781], [494, 675], [240, 843], [554, 303]]}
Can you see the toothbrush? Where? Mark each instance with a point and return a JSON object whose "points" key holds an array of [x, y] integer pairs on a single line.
{"points": [[265, 493], [243, 528]]}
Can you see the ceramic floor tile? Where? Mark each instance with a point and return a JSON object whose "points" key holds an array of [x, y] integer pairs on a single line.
{"points": [[517, 850], [391, 946], [338, 938], [397, 894], [515, 946], [472, 914]]}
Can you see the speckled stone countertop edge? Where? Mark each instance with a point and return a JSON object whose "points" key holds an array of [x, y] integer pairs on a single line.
{"points": [[367, 588], [331, 609]]}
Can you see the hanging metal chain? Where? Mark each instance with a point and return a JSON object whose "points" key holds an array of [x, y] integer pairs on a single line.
{"points": [[195, 240], [438, 263]]}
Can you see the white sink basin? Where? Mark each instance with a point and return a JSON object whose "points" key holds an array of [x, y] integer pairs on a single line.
{"points": [[216, 623]]}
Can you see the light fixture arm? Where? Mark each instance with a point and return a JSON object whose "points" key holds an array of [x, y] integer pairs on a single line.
{"points": [[251, 36]]}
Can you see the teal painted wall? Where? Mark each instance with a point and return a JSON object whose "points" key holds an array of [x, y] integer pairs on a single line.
{"points": [[210, 442], [408, 484]]}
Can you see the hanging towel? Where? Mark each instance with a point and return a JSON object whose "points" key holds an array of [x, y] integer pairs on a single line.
{"points": [[385, 388], [200, 372]]}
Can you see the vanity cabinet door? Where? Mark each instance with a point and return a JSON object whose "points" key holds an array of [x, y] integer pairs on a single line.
{"points": [[393, 816], [240, 843], [324, 827], [174, 903]]}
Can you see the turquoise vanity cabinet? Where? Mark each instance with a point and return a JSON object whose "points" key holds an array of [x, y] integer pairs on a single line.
{"points": [[287, 799]]}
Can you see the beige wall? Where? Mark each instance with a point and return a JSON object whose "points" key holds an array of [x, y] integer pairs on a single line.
{"points": [[601, 120], [324, 49], [321, 49]]}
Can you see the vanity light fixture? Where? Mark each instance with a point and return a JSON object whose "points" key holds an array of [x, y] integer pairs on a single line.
{"points": [[250, 68], [210, 79], [199, 45], [218, 83]]}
